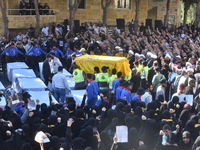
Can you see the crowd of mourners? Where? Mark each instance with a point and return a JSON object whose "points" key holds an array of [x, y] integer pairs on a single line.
{"points": [[152, 101]]}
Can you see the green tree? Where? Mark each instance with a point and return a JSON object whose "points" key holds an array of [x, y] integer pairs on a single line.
{"points": [[187, 4]]}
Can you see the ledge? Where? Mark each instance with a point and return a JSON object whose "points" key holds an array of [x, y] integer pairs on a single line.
{"points": [[24, 21]]}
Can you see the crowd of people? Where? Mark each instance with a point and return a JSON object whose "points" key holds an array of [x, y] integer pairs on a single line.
{"points": [[158, 101], [27, 8]]}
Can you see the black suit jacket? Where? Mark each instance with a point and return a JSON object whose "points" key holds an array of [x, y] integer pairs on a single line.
{"points": [[46, 70]]}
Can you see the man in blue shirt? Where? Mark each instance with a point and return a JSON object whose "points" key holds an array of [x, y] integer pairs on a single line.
{"points": [[56, 51], [11, 53], [116, 82], [68, 57], [92, 91], [35, 53], [120, 89], [126, 92]]}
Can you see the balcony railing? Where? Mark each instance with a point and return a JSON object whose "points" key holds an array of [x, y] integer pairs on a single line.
{"points": [[29, 11]]}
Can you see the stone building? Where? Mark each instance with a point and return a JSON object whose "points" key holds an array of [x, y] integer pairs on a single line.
{"points": [[91, 11]]}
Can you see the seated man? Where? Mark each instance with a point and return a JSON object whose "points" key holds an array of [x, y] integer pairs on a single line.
{"points": [[168, 138]]}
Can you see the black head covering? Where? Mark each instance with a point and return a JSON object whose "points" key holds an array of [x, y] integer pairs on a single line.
{"points": [[160, 98], [127, 109], [171, 105], [88, 148], [106, 140], [80, 113], [137, 122], [138, 111], [142, 147], [38, 114], [43, 128], [52, 120], [78, 143], [55, 142], [65, 146], [90, 140], [175, 99], [112, 127], [90, 122], [151, 106], [26, 146], [195, 118], [165, 114], [133, 140], [196, 143], [139, 103], [129, 121]]}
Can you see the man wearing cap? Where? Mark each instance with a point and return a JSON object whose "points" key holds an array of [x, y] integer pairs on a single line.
{"points": [[46, 70], [102, 80], [11, 53], [83, 51], [189, 88], [79, 78], [161, 88], [126, 92], [131, 58], [139, 94]]}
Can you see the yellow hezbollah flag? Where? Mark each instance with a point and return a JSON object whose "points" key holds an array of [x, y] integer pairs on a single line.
{"points": [[88, 62]]}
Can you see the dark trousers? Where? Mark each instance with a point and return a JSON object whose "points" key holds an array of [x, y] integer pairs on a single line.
{"points": [[12, 58], [35, 60], [80, 86], [92, 102], [68, 63]]}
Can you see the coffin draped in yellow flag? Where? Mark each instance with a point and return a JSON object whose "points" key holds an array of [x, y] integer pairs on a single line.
{"points": [[88, 62]]}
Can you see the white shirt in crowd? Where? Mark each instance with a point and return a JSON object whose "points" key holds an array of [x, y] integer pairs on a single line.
{"points": [[147, 98], [45, 30], [55, 64], [59, 80], [96, 29], [160, 91]]}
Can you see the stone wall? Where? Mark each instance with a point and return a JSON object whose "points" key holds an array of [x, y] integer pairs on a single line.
{"points": [[16, 22], [175, 9]]}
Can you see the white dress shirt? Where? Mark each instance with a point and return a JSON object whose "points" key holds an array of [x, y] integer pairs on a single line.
{"points": [[146, 97], [59, 80], [56, 63], [45, 30]]}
